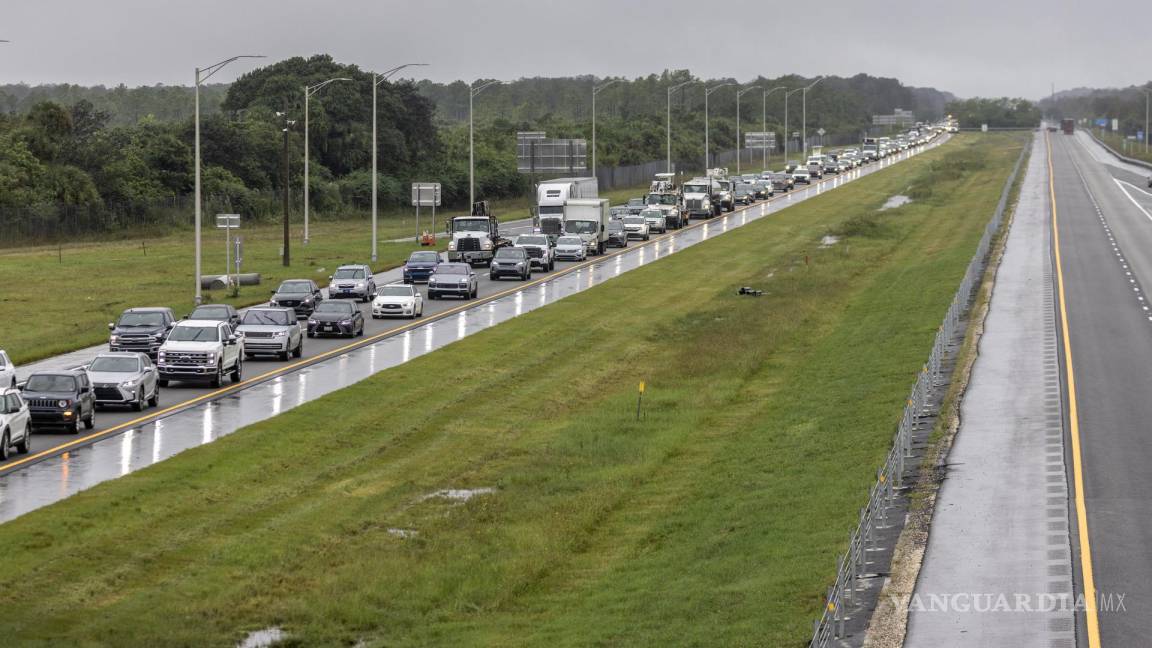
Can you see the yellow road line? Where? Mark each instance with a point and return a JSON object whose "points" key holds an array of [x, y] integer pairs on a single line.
{"points": [[1090, 611], [289, 368]]}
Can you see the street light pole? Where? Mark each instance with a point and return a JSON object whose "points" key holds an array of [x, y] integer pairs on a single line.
{"points": [[764, 119], [472, 92], [288, 123], [668, 123], [595, 91], [787, 133], [707, 153], [804, 117], [740, 92], [202, 75], [377, 79], [308, 92], [1147, 94]]}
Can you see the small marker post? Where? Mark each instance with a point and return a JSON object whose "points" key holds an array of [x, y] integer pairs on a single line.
{"points": [[639, 399]]}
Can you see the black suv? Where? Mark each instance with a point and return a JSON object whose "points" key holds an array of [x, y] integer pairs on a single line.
{"points": [[141, 329], [60, 399], [216, 313], [511, 261], [302, 295]]}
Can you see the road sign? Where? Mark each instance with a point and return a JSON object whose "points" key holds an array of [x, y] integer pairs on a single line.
{"points": [[1102, 122], [227, 221], [820, 132], [760, 140], [425, 194], [983, 128], [1115, 124], [536, 153]]}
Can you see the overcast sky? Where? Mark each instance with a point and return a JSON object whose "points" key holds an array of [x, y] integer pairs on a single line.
{"points": [[969, 47]]}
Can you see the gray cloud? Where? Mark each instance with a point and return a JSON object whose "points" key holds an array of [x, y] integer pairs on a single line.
{"points": [[969, 47]]}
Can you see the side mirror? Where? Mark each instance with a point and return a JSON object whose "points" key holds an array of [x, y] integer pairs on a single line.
{"points": [[375, 295], [329, 277], [21, 385], [231, 339], [171, 324], [272, 292], [111, 326], [83, 390]]}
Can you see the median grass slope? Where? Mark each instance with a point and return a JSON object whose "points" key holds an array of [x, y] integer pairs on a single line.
{"points": [[60, 298], [713, 521]]}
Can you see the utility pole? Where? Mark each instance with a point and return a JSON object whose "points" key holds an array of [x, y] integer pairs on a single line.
{"points": [[473, 90], [308, 92], [287, 259], [707, 153], [804, 111], [787, 133], [377, 79], [740, 92]]}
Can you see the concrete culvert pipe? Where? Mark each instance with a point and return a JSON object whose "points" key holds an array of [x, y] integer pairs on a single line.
{"points": [[220, 282]]}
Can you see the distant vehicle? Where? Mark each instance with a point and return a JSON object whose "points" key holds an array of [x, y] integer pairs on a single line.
{"points": [[615, 213], [7, 371], [201, 350], [669, 203], [551, 197], [394, 300], [762, 188], [475, 238], [617, 236], [802, 176], [353, 281], [420, 265], [636, 205], [453, 279], [637, 227], [1066, 125], [216, 313], [698, 198], [722, 194], [744, 193], [122, 378], [655, 219], [140, 329], [60, 399], [301, 295], [831, 166], [539, 249], [588, 218], [15, 424], [791, 166], [573, 248], [663, 183], [271, 330], [336, 317], [781, 182], [511, 262]]}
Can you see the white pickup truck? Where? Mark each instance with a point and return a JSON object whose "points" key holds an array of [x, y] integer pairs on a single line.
{"points": [[201, 350]]}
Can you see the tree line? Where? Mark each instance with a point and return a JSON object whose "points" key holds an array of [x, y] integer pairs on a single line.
{"points": [[1125, 104]]}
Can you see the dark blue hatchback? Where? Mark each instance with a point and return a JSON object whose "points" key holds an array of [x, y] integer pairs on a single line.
{"points": [[420, 265]]}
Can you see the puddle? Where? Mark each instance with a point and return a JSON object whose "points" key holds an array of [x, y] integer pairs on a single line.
{"points": [[896, 201], [403, 533], [263, 638], [829, 241], [459, 494]]}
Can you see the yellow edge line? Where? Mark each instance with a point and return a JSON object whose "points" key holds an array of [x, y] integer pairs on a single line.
{"points": [[1090, 611], [289, 368]]}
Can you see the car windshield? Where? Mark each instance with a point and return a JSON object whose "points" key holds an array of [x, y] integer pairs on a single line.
{"points": [[424, 257], [295, 287], [195, 334], [334, 307], [267, 317], [615, 226], [695, 188], [49, 383], [510, 253], [112, 364], [652, 213], [635, 220], [452, 269], [569, 240], [394, 291], [580, 227], [210, 313], [349, 273], [532, 240], [635, 202], [141, 319], [470, 225]]}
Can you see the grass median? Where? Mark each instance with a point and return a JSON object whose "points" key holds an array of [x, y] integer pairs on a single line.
{"points": [[715, 519], [61, 298]]}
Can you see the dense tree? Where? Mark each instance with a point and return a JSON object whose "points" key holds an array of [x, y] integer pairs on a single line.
{"points": [[996, 113]]}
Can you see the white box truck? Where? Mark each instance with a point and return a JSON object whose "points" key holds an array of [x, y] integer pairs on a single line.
{"points": [[588, 218], [551, 196]]}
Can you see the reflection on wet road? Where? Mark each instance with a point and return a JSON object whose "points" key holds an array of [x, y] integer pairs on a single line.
{"points": [[55, 478]]}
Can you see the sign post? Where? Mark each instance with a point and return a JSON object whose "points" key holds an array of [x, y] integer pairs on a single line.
{"points": [[229, 222], [425, 194]]}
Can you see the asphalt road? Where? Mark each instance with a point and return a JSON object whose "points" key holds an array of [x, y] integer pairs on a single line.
{"points": [[189, 415], [1105, 245]]}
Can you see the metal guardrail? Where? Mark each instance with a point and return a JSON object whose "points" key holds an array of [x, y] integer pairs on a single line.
{"points": [[890, 477], [1123, 158]]}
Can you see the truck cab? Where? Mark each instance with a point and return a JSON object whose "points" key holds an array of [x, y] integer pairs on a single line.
{"points": [[588, 218], [476, 237], [698, 198], [201, 350]]}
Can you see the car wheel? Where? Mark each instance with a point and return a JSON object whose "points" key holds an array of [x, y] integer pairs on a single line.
{"points": [[138, 404], [299, 352], [25, 445], [238, 371], [162, 382], [491, 276], [311, 334], [282, 356], [155, 399], [90, 422], [249, 356], [432, 295], [5, 452], [218, 379]]}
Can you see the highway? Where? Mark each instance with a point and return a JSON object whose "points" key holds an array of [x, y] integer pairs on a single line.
{"points": [[1103, 218], [61, 465]]}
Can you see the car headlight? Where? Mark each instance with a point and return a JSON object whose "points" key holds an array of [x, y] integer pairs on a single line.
{"points": [[463, 282], [359, 284], [160, 355], [279, 334], [519, 264], [485, 244], [345, 322], [452, 245], [212, 357], [114, 339], [128, 384], [63, 403], [311, 321], [307, 300]]}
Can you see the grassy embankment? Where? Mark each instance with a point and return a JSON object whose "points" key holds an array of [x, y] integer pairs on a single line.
{"points": [[715, 521], [59, 299], [1129, 148]]}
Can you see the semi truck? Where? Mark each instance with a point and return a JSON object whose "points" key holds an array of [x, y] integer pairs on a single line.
{"points": [[1068, 126], [588, 218], [551, 197], [476, 237], [698, 201]]}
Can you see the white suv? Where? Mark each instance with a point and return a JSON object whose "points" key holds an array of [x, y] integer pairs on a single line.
{"points": [[14, 423], [7, 371], [201, 350]]}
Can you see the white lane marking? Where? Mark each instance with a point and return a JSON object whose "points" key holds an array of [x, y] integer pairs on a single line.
{"points": [[1121, 183]]}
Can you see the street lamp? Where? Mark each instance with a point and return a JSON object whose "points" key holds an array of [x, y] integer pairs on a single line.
{"points": [[764, 119], [377, 79], [740, 93], [1147, 94], [288, 124], [707, 153], [308, 92], [787, 133], [595, 91], [473, 90], [202, 75], [804, 114], [668, 124]]}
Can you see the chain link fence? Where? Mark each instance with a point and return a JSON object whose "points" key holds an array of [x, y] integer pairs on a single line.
{"points": [[918, 410]]}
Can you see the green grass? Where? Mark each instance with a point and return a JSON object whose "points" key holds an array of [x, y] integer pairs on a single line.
{"points": [[58, 299], [1129, 148], [715, 521]]}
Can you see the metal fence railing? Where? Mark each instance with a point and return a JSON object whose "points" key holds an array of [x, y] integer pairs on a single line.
{"points": [[890, 477]]}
